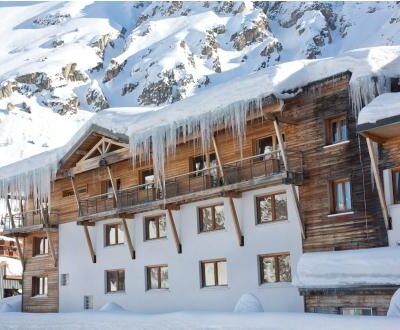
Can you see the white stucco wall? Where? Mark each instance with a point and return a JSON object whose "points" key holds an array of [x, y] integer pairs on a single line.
{"points": [[394, 209], [185, 292]]}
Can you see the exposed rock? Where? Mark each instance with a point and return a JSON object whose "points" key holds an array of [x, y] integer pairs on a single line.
{"points": [[129, 88], [219, 29], [271, 47], [52, 19], [10, 106], [39, 79], [256, 32], [101, 43], [6, 90], [114, 70], [57, 43], [96, 98], [63, 107], [70, 72]]}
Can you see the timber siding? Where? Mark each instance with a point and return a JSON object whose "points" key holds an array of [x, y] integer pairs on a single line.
{"points": [[41, 265]]}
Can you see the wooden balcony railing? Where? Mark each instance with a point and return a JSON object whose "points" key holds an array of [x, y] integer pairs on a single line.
{"points": [[237, 171], [28, 218]]}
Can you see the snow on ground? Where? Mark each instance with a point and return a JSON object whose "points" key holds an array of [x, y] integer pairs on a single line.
{"points": [[376, 266], [384, 106], [10, 304], [394, 308], [194, 320]]}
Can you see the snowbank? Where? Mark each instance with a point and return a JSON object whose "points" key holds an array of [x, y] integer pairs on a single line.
{"points": [[111, 308], [13, 266], [10, 304], [248, 303], [377, 266], [394, 307], [384, 106], [226, 105]]}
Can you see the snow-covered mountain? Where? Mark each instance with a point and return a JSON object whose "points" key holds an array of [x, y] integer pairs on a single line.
{"points": [[62, 62]]}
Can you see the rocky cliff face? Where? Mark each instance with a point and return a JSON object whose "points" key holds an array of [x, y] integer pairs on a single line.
{"points": [[91, 56]]}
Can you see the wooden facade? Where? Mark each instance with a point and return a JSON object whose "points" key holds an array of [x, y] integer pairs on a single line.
{"points": [[97, 180]]}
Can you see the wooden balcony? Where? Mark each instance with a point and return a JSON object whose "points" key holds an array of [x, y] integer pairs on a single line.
{"points": [[28, 222], [240, 175]]}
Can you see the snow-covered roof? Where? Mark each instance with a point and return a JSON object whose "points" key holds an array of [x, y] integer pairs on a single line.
{"points": [[225, 104], [375, 266], [384, 106], [13, 266]]}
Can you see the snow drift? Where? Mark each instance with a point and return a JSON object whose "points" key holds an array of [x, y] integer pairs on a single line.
{"points": [[375, 266], [394, 307], [384, 106], [248, 303]]}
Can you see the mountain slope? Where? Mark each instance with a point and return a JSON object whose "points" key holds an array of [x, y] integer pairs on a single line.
{"points": [[61, 62]]}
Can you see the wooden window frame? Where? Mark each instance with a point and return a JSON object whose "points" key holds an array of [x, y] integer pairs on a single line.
{"points": [[276, 265], [83, 189], [329, 131], [148, 277], [146, 227], [274, 219], [207, 157], [117, 238], [36, 246], [333, 197], [216, 279], [213, 218], [108, 287], [36, 285], [371, 309], [142, 177], [394, 171]]}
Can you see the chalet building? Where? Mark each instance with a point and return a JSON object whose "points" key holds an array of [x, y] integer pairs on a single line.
{"points": [[8, 247], [196, 225], [10, 277]]}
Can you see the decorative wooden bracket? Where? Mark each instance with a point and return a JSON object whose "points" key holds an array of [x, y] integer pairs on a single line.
{"points": [[128, 237], [46, 222], [378, 181], [21, 256], [76, 194], [239, 234], [218, 156], [174, 231], [89, 243]]}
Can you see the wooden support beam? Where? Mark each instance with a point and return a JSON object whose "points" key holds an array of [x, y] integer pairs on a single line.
{"points": [[21, 256], [128, 239], [112, 184], [174, 231], [239, 234], [298, 210], [46, 222], [373, 137], [171, 206], [378, 181], [217, 154], [76, 194], [233, 194], [281, 144], [89, 243]]}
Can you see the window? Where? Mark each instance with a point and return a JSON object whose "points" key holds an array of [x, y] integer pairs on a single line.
{"points": [[214, 273], [147, 178], [272, 207], [396, 186], [106, 188], [202, 162], [341, 195], [356, 311], [115, 280], [211, 218], [87, 302], [156, 227], [275, 268], [70, 192], [114, 234], [40, 246], [336, 130], [157, 277], [39, 286], [267, 145], [64, 279]]}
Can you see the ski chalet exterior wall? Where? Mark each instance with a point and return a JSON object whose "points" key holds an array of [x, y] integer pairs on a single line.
{"points": [[97, 185]]}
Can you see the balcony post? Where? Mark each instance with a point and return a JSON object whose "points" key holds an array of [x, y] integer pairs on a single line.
{"points": [[45, 216], [21, 257], [281, 143], [217, 154], [378, 181]]}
